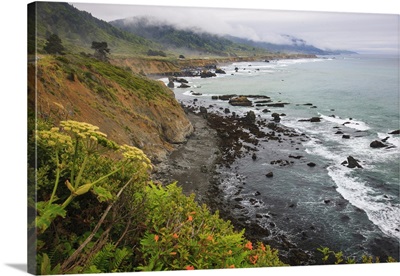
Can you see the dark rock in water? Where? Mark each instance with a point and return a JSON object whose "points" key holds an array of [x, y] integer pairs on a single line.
{"points": [[276, 105], [395, 132], [346, 136], [314, 106], [220, 71], [311, 164], [171, 84], [326, 201], [181, 80], [312, 120], [240, 101], [250, 117], [214, 97], [236, 69], [203, 109], [227, 110], [353, 163], [270, 174], [254, 156], [196, 93], [207, 74], [204, 169], [238, 199], [315, 120], [257, 193], [377, 144], [385, 139], [338, 132], [276, 117], [262, 102], [227, 97], [183, 85], [292, 205], [345, 218], [266, 110], [295, 157], [309, 104]]}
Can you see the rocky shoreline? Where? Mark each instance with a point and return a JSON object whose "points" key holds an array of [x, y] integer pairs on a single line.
{"points": [[222, 137], [217, 141]]}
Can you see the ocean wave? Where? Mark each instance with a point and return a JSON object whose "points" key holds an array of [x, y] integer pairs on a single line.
{"points": [[385, 215], [348, 122]]}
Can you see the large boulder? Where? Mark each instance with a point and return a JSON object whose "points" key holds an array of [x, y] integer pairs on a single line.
{"points": [[395, 132], [220, 71], [377, 144], [353, 163], [276, 117], [250, 117], [207, 74], [240, 101], [183, 85], [227, 97]]}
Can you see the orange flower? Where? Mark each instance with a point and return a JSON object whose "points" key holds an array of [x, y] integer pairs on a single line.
{"points": [[249, 245], [231, 266], [156, 238], [172, 253], [253, 259], [209, 238], [262, 247], [189, 267], [230, 252], [190, 218], [192, 213], [175, 236]]}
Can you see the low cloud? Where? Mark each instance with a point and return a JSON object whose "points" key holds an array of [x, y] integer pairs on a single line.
{"points": [[326, 30]]}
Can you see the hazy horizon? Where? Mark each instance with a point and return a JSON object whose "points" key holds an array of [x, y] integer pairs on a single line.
{"points": [[360, 32]]}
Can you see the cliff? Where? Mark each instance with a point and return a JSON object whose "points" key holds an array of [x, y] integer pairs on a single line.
{"points": [[129, 108]]}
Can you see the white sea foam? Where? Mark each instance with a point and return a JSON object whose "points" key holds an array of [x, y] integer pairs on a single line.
{"points": [[385, 215], [351, 123]]}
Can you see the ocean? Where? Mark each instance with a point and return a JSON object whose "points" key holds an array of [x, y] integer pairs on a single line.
{"points": [[353, 210]]}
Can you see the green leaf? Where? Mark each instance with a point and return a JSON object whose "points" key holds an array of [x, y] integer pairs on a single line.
{"points": [[47, 213], [102, 194], [45, 266]]}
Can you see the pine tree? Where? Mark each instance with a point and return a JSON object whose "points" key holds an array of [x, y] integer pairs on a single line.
{"points": [[54, 45], [101, 50]]}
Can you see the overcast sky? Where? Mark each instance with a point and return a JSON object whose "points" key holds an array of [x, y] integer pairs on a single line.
{"points": [[360, 32]]}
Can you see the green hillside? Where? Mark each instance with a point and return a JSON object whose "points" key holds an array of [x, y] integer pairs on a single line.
{"points": [[77, 29], [186, 41]]}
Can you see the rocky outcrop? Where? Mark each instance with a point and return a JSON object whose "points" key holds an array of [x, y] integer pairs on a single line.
{"points": [[240, 101], [312, 120], [183, 85], [207, 74], [352, 163], [377, 144], [395, 132]]}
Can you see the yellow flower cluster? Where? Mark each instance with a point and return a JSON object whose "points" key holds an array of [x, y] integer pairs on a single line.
{"points": [[135, 154], [82, 129], [54, 138]]}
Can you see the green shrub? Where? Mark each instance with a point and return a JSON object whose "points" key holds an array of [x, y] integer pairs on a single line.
{"points": [[96, 211], [183, 235]]}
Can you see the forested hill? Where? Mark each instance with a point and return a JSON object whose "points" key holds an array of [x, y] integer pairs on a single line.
{"points": [[77, 29], [191, 41]]}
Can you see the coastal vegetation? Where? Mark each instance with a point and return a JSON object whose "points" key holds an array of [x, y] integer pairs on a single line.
{"points": [[98, 126], [98, 211]]}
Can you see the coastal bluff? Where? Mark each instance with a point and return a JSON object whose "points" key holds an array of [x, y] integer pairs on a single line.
{"points": [[129, 108]]}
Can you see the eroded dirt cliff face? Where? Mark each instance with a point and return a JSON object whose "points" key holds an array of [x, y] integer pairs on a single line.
{"points": [[129, 108]]}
